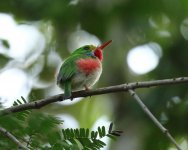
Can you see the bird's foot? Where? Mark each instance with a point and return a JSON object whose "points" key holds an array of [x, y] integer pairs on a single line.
{"points": [[87, 89]]}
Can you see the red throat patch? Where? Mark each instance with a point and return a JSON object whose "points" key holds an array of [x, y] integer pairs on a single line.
{"points": [[88, 65], [98, 54]]}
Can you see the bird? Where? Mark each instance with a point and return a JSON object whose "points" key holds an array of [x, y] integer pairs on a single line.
{"points": [[81, 70]]}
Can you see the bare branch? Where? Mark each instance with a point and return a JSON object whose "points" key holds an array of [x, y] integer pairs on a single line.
{"points": [[112, 89], [12, 138], [152, 117]]}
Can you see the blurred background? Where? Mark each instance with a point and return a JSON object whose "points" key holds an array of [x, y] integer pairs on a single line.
{"points": [[149, 43]]}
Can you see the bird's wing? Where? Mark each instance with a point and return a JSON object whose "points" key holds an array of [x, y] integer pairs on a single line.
{"points": [[68, 69]]}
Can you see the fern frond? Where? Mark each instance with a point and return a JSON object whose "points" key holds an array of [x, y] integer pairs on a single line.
{"points": [[92, 142]]}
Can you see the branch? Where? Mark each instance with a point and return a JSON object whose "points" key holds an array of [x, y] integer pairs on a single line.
{"points": [[152, 117], [112, 89], [12, 138]]}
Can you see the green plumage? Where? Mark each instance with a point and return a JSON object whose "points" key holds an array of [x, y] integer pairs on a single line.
{"points": [[67, 88], [69, 68]]}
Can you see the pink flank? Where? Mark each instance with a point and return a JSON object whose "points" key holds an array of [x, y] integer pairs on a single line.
{"points": [[88, 65]]}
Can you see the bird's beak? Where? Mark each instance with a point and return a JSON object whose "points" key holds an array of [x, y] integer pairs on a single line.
{"points": [[104, 45]]}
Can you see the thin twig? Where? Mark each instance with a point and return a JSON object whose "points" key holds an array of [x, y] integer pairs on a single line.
{"points": [[112, 89], [12, 138], [152, 117]]}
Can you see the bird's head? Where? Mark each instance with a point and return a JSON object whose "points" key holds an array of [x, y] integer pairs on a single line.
{"points": [[94, 51]]}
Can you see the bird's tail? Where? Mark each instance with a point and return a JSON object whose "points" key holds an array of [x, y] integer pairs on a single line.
{"points": [[67, 90]]}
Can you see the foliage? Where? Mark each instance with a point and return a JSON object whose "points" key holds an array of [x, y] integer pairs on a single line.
{"points": [[41, 131], [89, 140], [34, 129]]}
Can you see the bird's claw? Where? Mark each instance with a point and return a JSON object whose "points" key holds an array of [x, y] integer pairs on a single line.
{"points": [[87, 89]]}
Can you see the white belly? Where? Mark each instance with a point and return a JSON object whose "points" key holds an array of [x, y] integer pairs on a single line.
{"points": [[80, 81]]}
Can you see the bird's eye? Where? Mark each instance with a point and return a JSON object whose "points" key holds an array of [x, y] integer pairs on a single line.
{"points": [[86, 47]]}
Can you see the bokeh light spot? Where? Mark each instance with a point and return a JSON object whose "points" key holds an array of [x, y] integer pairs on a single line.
{"points": [[80, 38], [184, 28], [25, 40], [183, 145], [144, 58], [14, 84]]}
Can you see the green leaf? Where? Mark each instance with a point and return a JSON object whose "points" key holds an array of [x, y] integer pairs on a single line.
{"points": [[95, 135], [102, 143], [77, 133], [110, 127], [97, 143], [86, 148], [115, 133], [4, 60], [68, 134], [82, 132], [112, 137], [5, 43], [87, 133], [100, 132], [92, 134], [15, 103], [103, 131], [73, 141], [84, 141], [19, 101], [64, 134], [72, 133], [24, 100], [66, 146]]}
